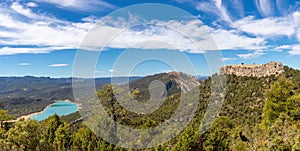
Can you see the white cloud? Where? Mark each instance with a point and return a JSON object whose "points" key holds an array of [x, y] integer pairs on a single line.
{"points": [[44, 32], [153, 37], [90, 19], [83, 5], [31, 4], [295, 50], [206, 7], [250, 32], [222, 9], [69, 35], [27, 12], [284, 7], [239, 6], [47, 34], [215, 7], [98, 71], [228, 59], [252, 55], [20, 50], [58, 65], [267, 27], [282, 47], [24, 64], [111, 70], [10, 51], [265, 7], [296, 19], [176, 35], [23, 11], [231, 40]]}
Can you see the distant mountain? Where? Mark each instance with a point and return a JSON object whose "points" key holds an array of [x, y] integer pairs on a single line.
{"points": [[45, 87], [200, 77], [174, 82], [23, 95]]}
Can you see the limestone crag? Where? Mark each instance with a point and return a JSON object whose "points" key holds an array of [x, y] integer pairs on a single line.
{"points": [[260, 70], [184, 81]]}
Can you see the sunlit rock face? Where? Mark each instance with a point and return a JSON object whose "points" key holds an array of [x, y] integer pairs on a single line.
{"points": [[185, 82]]}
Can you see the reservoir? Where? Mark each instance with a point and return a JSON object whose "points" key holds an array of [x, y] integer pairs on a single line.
{"points": [[59, 107]]}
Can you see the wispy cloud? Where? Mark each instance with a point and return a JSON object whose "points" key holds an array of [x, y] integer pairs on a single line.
{"points": [[98, 71], [214, 7], [296, 21], [222, 10], [282, 47], [24, 64], [69, 35], [228, 59], [252, 55], [83, 5], [265, 7], [42, 33], [31, 4], [236, 7], [232, 40], [111, 70], [19, 11], [295, 50], [267, 27], [21, 50], [58, 65], [207, 38], [23, 11]]}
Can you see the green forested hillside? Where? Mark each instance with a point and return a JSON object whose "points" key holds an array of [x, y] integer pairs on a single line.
{"points": [[25, 95], [257, 114]]}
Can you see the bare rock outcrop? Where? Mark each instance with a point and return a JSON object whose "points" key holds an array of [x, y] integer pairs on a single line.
{"points": [[259, 70]]}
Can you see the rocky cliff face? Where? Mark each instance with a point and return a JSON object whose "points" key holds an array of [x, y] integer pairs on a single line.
{"points": [[261, 70], [174, 82], [183, 81]]}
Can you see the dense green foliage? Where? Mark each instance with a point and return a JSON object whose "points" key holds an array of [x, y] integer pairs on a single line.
{"points": [[278, 101], [257, 114], [142, 85]]}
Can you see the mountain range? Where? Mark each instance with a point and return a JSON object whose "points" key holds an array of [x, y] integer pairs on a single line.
{"points": [[24, 95]]}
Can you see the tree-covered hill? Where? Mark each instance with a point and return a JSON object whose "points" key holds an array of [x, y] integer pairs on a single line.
{"points": [[257, 114]]}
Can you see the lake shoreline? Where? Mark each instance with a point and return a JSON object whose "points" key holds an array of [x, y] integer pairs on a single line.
{"points": [[25, 117]]}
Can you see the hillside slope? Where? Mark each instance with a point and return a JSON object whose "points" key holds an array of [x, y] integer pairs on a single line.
{"points": [[175, 82], [24, 95], [238, 125]]}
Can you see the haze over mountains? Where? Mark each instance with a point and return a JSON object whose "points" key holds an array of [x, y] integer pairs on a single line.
{"points": [[24, 95]]}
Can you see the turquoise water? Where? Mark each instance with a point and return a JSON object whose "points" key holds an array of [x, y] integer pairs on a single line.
{"points": [[59, 107]]}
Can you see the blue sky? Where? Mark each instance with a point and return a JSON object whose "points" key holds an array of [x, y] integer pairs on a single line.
{"points": [[41, 37]]}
